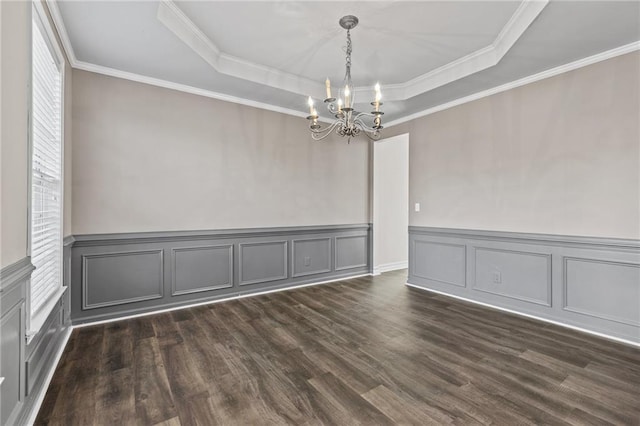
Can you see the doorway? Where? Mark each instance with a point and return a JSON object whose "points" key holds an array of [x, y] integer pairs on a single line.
{"points": [[390, 203]]}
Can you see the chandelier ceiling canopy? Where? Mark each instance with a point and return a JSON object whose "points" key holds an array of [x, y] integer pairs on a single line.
{"points": [[348, 122]]}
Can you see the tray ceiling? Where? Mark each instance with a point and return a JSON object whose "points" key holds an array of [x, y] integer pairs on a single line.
{"points": [[275, 53]]}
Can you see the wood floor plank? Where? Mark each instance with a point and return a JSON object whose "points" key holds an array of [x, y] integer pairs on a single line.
{"points": [[153, 396], [400, 410], [367, 351]]}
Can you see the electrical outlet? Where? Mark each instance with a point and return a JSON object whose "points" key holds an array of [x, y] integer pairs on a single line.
{"points": [[417, 207], [497, 277], [307, 261]]}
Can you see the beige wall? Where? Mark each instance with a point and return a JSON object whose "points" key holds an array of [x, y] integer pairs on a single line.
{"points": [[152, 159], [15, 27], [559, 156]]}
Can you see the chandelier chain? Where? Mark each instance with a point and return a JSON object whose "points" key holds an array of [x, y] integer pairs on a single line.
{"points": [[347, 75]]}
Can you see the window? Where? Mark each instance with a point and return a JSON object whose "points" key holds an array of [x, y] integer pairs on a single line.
{"points": [[45, 234]]}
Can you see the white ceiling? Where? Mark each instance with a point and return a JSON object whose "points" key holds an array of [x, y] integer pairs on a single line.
{"points": [[276, 53]]}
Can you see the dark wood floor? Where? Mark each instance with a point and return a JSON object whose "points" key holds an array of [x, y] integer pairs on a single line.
{"points": [[364, 351]]}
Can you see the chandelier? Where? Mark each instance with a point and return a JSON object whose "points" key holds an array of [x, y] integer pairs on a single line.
{"points": [[348, 122]]}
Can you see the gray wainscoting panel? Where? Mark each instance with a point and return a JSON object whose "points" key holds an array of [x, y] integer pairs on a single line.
{"points": [[202, 268], [520, 275], [14, 280], [311, 256], [586, 282], [351, 252], [43, 348], [123, 274], [441, 262], [12, 332], [603, 289], [121, 277], [24, 366], [263, 261]]}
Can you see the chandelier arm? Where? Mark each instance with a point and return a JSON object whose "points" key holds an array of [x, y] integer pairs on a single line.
{"points": [[320, 134], [364, 125], [374, 136]]}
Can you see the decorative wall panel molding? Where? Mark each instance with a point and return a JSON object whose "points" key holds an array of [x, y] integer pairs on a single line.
{"points": [[516, 274], [602, 289], [121, 277], [12, 335], [263, 261], [202, 268], [351, 252], [585, 282], [116, 275], [441, 262], [303, 251]]}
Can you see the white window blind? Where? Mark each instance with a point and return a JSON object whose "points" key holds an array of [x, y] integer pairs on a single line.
{"points": [[46, 172]]}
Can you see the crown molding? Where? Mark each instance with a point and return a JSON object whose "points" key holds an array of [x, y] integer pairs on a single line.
{"points": [[172, 17], [475, 62], [627, 48], [58, 22], [99, 69]]}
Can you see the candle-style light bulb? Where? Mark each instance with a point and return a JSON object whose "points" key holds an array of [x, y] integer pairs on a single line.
{"points": [[327, 84], [347, 96], [378, 96], [339, 105], [310, 102]]}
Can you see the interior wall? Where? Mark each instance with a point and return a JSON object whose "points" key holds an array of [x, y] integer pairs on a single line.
{"points": [[559, 156], [152, 159], [15, 60], [390, 202]]}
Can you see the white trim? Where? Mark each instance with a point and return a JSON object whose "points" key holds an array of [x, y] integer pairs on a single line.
{"points": [[609, 54], [211, 302], [561, 324], [35, 408], [34, 323], [51, 39], [176, 21], [62, 31], [99, 69], [474, 62], [388, 267]]}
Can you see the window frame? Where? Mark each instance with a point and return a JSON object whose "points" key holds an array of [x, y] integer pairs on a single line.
{"points": [[40, 18]]}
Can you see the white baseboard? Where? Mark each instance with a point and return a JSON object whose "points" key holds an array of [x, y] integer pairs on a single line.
{"points": [[511, 311], [387, 267], [211, 302], [35, 408]]}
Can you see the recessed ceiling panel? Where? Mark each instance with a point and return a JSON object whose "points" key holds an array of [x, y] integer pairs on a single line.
{"points": [[393, 43]]}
